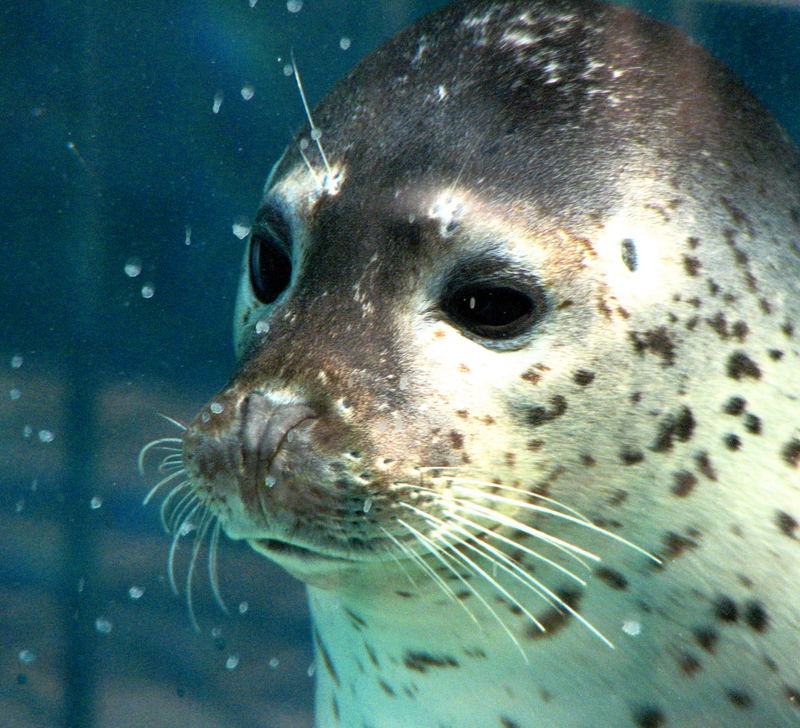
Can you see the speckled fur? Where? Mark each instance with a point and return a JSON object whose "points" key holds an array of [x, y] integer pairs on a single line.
{"points": [[658, 206]]}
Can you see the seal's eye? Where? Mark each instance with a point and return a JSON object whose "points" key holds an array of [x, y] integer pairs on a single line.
{"points": [[492, 311], [270, 264]]}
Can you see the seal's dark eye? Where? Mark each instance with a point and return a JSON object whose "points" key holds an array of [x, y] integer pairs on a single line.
{"points": [[493, 311], [270, 265]]}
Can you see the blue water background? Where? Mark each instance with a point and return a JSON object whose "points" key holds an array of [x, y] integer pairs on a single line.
{"points": [[110, 154]]}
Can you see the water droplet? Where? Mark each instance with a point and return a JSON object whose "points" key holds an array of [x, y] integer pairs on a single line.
{"points": [[20, 505], [26, 657], [316, 133], [252, 3], [288, 69], [368, 505], [631, 627], [103, 625], [294, 6], [96, 502], [243, 607], [262, 327], [232, 662], [16, 361], [133, 267], [311, 669], [15, 394], [218, 98], [205, 417], [46, 436], [216, 408], [304, 144], [248, 92], [274, 662], [148, 290], [216, 632], [27, 431], [241, 227], [344, 43], [270, 481], [136, 592], [187, 235], [186, 528]]}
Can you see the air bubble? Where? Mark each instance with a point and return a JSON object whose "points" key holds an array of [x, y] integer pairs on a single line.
{"points": [[46, 436], [316, 133], [270, 481], [243, 607], [16, 361], [241, 227], [294, 6], [103, 625], [248, 92], [262, 327], [186, 528], [133, 267], [15, 394], [26, 657], [136, 592], [311, 669], [344, 43], [27, 431], [216, 408], [218, 98], [288, 69], [252, 3], [631, 627], [95, 503], [148, 290], [232, 662], [367, 505], [187, 235], [274, 662]]}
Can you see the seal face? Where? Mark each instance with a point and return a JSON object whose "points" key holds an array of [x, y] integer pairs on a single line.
{"points": [[519, 376]]}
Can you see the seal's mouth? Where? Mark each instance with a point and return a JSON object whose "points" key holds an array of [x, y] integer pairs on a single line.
{"points": [[277, 549]]}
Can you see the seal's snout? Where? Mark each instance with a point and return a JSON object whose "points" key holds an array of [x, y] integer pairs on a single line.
{"points": [[265, 427]]}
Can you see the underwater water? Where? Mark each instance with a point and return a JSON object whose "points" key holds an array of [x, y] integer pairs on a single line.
{"points": [[136, 138]]}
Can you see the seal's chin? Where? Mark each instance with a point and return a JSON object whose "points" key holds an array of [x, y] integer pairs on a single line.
{"points": [[309, 566]]}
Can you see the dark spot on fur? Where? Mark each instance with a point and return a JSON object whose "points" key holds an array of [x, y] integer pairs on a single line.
{"points": [[355, 620], [775, 354], [404, 594], [752, 424], [692, 265], [531, 375], [335, 708], [649, 717], [588, 460], [734, 406], [740, 365], [756, 616], [740, 330], [706, 637], [684, 482], [793, 695], [535, 445], [618, 497], [788, 329], [554, 619], [791, 453], [675, 544], [421, 661], [725, 609], [786, 523], [688, 663], [704, 465], [732, 442], [630, 455], [629, 257], [583, 377], [656, 341], [456, 439], [539, 415], [739, 698], [611, 577], [387, 688], [679, 426], [508, 723], [326, 658], [719, 324]]}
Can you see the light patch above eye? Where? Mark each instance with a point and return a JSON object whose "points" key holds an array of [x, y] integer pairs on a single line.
{"points": [[447, 210]]}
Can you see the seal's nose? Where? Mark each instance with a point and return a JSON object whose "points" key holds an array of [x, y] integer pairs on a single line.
{"points": [[265, 426]]}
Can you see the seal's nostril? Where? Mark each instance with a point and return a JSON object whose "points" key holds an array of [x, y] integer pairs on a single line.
{"points": [[265, 426]]}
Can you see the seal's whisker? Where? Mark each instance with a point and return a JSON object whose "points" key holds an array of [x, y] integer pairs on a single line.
{"points": [[316, 132], [500, 537], [421, 563], [441, 555], [452, 548], [202, 529], [160, 443], [566, 517], [168, 521], [161, 483], [184, 528], [404, 549], [173, 421], [213, 574], [523, 577], [170, 461]]}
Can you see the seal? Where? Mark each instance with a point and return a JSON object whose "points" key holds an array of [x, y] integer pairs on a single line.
{"points": [[518, 390]]}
